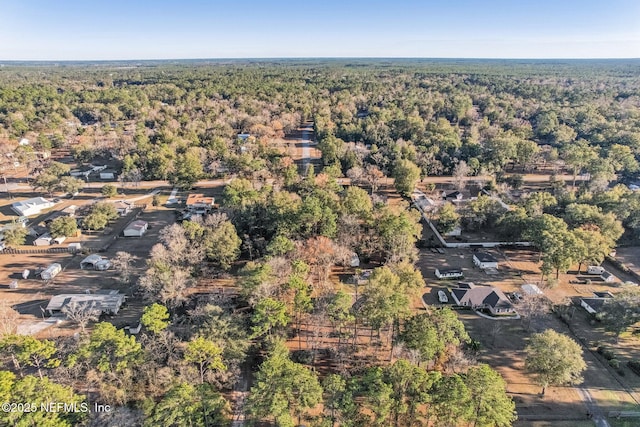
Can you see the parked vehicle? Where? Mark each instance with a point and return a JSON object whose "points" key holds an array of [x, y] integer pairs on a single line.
{"points": [[595, 269], [442, 297]]}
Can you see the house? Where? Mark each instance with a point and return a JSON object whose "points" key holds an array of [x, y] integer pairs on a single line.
{"points": [[422, 202], [123, 208], [136, 229], [51, 271], [43, 240], [483, 297], [107, 301], [199, 204], [594, 305], [608, 277], [23, 142], [484, 260], [95, 262], [31, 207], [449, 273]]}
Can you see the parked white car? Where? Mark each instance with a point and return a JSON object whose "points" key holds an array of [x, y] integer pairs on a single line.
{"points": [[442, 296]]}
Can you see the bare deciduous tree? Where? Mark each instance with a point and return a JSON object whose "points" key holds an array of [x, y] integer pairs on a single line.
{"points": [[81, 313], [122, 262], [8, 319], [532, 309], [460, 173]]}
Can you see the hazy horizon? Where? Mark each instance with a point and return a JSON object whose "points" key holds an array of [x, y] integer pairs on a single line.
{"points": [[70, 30]]}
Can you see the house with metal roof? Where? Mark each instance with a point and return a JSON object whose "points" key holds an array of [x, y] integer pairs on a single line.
{"points": [[136, 229], [31, 206], [484, 260], [449, 273], [107, 301]]}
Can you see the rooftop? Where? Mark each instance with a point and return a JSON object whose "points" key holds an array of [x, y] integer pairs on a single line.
{"points": [[199, 199], [485, 257], [137, 225], [482, 295], [108, 301]]}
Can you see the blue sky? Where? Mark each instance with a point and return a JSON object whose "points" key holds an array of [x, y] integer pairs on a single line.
{"points": [[162, 29]]}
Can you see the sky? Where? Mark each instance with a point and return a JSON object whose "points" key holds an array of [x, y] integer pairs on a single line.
{"points": [[161, 29]]}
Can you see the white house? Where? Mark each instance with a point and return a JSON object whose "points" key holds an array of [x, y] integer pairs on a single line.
{"points": [[31, 206], [594, 304], [136, 229], [449, 273], [484, 260], [51, 271], [199, 204], [23, 141]]}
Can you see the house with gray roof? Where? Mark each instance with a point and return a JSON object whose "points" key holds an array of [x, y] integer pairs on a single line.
{"points": [[483, 297]]}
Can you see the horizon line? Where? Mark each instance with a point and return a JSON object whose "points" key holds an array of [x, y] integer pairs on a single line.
{"points": [[272, 58]]}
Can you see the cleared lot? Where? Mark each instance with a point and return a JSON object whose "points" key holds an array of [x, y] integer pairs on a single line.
{"points": [[33, 294]]}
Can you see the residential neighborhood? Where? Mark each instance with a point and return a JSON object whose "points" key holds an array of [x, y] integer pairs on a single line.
{"points": [[322, 242]]}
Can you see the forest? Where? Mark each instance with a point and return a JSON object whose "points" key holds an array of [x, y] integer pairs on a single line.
{"points": [[284, 229]]}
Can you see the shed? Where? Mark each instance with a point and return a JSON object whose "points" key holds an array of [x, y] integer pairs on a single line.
{"points": [[107, 174], [123, 208], [592, 305], [95, 262], [136, 229], [44, 240], [608, 277], [484, 260], [449, 273], [74, 247], [58, 240], [51, 271]]}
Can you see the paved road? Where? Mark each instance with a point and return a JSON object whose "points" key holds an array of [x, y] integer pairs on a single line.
{"points": [[13, 187], [593, 408], [307, 130]]}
